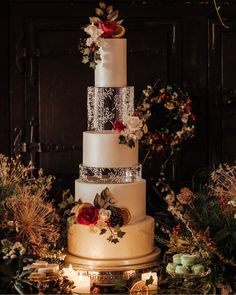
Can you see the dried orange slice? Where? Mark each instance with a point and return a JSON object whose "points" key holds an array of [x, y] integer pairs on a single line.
{"points": [[119, 32], [140, 288], [126, 215]]}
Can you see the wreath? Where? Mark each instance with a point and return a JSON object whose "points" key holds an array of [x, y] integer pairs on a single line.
{"points": [[167, 111]]}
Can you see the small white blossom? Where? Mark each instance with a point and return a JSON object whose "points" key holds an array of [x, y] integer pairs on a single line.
{"points": [[93, 31], [104, 214]]}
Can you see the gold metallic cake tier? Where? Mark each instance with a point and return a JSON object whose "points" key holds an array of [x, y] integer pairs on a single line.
{"points": [[148, 261]]}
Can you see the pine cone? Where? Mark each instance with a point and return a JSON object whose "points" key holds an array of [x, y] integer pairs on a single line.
{"points": [[116, 217]]}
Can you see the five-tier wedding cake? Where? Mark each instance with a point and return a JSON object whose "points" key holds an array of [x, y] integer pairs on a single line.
{"points": [[110, 229]]}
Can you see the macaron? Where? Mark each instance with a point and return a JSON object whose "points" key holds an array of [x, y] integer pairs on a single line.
{"points": [[198, 268], [171, 267], [188, 260], [181, 270], [177, 258]]}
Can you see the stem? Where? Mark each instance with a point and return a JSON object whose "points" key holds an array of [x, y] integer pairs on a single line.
{"points": [[219, 16]]}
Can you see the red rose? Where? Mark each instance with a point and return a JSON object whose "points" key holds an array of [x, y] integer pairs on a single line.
{"points": [[118, 125], [193, 117], [88, 216], [108, 28]]}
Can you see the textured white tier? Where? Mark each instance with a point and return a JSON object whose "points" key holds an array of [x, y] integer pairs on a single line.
{"points": [[138, 241], [111, 71], [128, 195], [102, 149]]}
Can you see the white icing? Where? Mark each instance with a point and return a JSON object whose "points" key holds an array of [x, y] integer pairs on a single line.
{"points": [[137, 242], [111, 71], [128, 195], [102, 149]]}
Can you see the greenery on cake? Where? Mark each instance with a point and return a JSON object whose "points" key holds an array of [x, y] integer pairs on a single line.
{"points": [[103, 216], [104, 25]]}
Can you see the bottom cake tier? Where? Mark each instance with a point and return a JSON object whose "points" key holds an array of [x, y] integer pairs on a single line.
{"points": [[137, 242]]}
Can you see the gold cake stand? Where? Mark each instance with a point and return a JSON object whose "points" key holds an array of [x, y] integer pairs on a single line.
{"points": [[106, 272]]}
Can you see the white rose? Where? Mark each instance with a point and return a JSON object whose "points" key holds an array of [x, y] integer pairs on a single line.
{"points": [[138, 134], [104, 214], [133, 123], [93, 31], [89, 41]]}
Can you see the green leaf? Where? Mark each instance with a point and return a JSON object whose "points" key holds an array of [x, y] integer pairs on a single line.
{"points": [[109, 9], [149, 281], [110, 238], [92, 65], [98, 201], [115, 241], [102, 5], [103, 231], [119, 22], [99, 12], [94, 19], [113, 16], [120, 234], [19, 288]]}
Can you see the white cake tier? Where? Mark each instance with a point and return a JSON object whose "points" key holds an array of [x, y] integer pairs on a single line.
{"points": [[111, 71], [137, 242], [102, 149], [127, 195]]}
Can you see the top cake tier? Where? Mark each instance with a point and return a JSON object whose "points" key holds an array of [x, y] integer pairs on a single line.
{"points": [[111, 71]]}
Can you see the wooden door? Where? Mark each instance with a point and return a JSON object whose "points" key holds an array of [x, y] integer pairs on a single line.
{"points": [[49, 82]]}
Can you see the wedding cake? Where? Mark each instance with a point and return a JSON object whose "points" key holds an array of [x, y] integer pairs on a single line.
{"points": [[110, 229]]}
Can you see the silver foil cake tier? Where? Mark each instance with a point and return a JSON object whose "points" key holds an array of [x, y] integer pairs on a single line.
{"points": [[110, 175], [106, 104]]}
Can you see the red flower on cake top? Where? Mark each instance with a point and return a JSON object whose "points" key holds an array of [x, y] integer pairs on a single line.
{"points": [[104, 25]]}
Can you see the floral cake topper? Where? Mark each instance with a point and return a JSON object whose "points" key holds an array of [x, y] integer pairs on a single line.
{"points": [[103, 216], [104, 25]]}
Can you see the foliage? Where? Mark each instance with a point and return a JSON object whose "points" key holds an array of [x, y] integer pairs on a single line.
{"points": [[206, 225]]}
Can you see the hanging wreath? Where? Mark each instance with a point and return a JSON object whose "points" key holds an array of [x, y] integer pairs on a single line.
{"points": [[167, 111]]}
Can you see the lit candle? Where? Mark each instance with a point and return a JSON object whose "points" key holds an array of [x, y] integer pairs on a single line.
{"points": [[82, 283], [147, 275]]}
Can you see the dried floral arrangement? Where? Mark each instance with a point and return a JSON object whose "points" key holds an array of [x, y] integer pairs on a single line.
{"points": [[102, 216], [104, 25], [29, 226], [206, 227]]}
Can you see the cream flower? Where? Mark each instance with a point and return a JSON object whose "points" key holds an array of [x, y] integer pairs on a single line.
{"points": [[104, 214], [133, 123], [94, 32]]}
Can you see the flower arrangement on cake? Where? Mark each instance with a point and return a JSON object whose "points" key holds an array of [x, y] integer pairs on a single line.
{"points": [[102, 216], [131, 129], [104, 25], [204, 236]]}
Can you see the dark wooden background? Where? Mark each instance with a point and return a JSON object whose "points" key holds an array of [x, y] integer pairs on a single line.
{"points": [[43, 83]]}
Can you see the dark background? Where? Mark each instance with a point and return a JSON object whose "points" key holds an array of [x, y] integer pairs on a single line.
{"points": [[43, 84]]}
